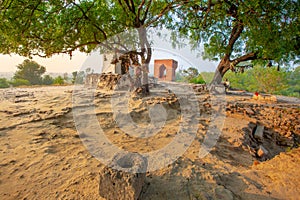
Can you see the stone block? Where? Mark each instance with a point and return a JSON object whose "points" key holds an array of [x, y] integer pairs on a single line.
{"points": [[124, 178], [259, 132]]}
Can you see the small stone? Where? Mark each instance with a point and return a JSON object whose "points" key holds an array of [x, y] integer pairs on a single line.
{"points": [[262, 151], [249, 111]]}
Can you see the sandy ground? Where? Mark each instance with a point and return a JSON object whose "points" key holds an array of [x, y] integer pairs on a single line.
{"points": [[43, 157]]}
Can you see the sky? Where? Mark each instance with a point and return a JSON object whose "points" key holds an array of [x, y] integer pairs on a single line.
{"points": [[80, 61], [57, 63]]}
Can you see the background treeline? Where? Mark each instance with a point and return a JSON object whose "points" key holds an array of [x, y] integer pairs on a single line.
{"points": [[257, 79], [31, 73]]}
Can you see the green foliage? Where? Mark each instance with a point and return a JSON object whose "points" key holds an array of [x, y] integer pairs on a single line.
{"points": [[4, 83], [50, 27], [74, 76], [58, 81], [31, 71], [207, 76], [190, 75], [198, 80], [293, 79], [238, 31], [19, 82], [266, 80], [48, 80]]}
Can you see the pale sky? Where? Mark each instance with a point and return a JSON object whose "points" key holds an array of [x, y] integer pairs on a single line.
{"points": [[57, 63], [80, 61]]}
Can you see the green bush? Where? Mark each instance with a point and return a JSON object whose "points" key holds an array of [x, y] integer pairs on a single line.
{"points": [[58, 81], [267, 80], [3, 83], [19, 82], [197, 80]]}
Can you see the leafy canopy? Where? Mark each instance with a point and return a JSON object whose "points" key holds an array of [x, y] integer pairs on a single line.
{"points": [[241, 30], [34, 27], [31, 71]]}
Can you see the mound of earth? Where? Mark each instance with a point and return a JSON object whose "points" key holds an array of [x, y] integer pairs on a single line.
{"points": [[42, 156]]}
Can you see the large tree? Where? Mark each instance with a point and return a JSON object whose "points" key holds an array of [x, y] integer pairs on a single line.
{"points": [[31, 71], [44, 28], [233, 32]]}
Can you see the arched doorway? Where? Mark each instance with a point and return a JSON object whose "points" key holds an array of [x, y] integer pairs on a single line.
{"points": [[162, 71]]}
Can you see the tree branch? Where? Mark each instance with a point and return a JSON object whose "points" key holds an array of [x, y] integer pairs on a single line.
{"points": [[246, 57], [146, 11], [164, 10], [87, 18], [124, 9], [140, 8]]}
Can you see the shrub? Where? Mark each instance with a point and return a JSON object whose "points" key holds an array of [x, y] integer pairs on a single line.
{"points": [[58, 81], [19, 82], [3, 83], [197, 80]]}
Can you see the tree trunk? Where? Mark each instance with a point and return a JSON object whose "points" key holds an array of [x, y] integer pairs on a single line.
{"points": [[146, 57], [222, 68], [145, 81]]}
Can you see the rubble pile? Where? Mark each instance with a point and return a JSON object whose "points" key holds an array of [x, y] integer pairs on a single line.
{"points": [[106, 81], [275, 128], [283, 119]]}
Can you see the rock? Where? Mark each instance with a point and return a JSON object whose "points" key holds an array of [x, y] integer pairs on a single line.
{"points": [[262, 151], [222, 193], [259, 133], [124, 178], [285, 141], [249, 111]]}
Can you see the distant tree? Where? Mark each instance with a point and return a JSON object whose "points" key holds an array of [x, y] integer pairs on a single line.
{"points": [[58, 81], [4, 83], [190, 73], [48, 80], [31, 71], [74, 76]]}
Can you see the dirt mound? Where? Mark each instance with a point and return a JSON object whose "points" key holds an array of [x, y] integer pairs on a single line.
{"points": [[42, 155]]}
